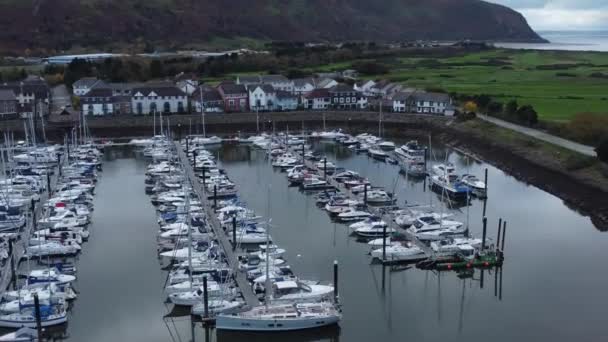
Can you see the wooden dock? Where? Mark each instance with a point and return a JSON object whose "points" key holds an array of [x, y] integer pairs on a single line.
{"points": [[231, 255], [20, 245], [387, 217]]}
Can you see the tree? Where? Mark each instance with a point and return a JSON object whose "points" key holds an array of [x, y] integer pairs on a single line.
{"points": [[511, 108], [470, 107], [483, 101], [602, 150], [494, 108], [370, 68], [527, 115], [156, 69]]}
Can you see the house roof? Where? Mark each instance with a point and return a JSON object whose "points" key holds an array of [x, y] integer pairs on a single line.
{"points": [[318, 93], [87, 82], [403, 95], [267, 88], [40, 89], [231, 88], [302, 82], [435, 97], [7, 95], [98, 92], [160, 89], [249, 79], [274, 79], [209, 94], [284, 95], [324, 82], [341, 88]]}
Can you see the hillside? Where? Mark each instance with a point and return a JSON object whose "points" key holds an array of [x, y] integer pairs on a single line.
{"points": [[51, 26]]}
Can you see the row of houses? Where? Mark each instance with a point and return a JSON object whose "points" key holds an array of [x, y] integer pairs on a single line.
{"points": [[23, 98], [253, 94]]}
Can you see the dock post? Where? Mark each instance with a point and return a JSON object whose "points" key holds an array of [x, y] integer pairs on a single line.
{"points": [[335, 281], [38, 318], [59, 163], [325, 168], [483, 236], [234, 233], [32, 205], [214, 196], [205, 297], [48, 182], [498, 235], [187, 145], [504, 230], [384, 243], [365, 194], [485, 179], [13, 270], [204, 181]]}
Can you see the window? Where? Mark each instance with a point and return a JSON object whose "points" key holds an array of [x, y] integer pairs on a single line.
{"points": [[90, 110], [140, 109], [104, 108], [231, 103], [348, 100], [335, 100], [167, 107], [153, 107], [341, 100], [354, 99], [180, 107]]}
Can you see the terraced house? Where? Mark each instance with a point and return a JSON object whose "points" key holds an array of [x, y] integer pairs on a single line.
{"points": [[158, 98]]}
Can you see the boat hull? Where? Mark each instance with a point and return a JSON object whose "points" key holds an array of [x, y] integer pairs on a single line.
{"points": [[269, 325]]}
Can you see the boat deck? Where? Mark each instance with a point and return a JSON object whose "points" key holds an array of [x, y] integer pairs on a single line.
{"points": [[231, 255]]}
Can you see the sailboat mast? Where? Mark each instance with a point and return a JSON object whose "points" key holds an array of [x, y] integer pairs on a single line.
{"points": [[202, 111], [187, 206]]}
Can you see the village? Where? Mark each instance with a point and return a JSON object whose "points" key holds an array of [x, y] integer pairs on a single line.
{"points": [[185, 94]]}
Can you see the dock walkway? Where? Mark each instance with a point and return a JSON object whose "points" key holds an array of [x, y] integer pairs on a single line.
{"points": [[220, 235], [387, 217]]}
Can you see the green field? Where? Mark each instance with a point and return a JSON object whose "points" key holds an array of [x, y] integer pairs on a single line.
{"points": [[555, 97]]}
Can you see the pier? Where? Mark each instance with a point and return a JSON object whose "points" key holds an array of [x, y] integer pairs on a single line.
{"points": [[231, 255], [8, 273]]}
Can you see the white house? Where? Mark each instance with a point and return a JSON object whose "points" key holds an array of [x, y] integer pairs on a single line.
{"points": [[84, 85], [286, 101], [303, 86], [278, 82], [97, 102], [432, 103], [325, 83], [262, 97], [317, 99], [365, 87], [158, 98]]}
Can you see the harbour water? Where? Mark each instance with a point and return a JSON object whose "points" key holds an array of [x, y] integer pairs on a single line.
{"points": [[551, 287], [566, 40]]}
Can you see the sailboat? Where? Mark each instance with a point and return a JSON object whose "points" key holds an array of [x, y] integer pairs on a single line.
{"points": [[280, 317]]}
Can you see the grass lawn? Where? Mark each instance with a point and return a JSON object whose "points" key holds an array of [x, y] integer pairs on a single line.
{"points": [[556, 94]]}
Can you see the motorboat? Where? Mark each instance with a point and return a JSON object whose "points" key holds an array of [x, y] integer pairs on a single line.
{"points": [[281, 317], [399, 252], [456, 247], [190, 298], [374, 229], [387, 145], [315, 184], [411, 152], [49, 276], [377, 153], [450, 186], [429, 228], [413, 169], [54, 248], [50, 315], [444, 169], [353, 215], [477, 186], [379, 197], [325, 165]]}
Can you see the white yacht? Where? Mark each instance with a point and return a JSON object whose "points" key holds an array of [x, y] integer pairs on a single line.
{"points": [[399, 252], [292, 291], [477, 186]]}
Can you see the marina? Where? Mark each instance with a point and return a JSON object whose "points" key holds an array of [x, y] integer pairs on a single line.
{"points": [[443, 298]]}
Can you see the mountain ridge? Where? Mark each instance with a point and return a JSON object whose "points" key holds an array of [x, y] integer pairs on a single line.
{"points": [[62, 25]]}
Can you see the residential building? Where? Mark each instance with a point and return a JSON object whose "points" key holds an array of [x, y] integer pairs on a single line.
{"points": [[432, 103], [286, 101], [8, 104], [345, 97], [403, 101], [84, 85], [384, 88], [97, 102], [235, 97], [365, 87], [303, 86], [278, 82], [211, 99], [262, 97], [317, 99], [33, 89], [325, 83], [156, 98]]}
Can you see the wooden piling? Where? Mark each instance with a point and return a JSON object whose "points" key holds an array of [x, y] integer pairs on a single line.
{"points": [[504, 231], [336, 295], [384, 243], [485, 179], [214, 196], [325, 168], [38, 317], [205, 298], [498, 235], [234, 233], [483, 236]]}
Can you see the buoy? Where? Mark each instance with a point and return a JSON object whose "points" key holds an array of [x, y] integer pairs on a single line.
{"points": [[468, 265], [486, 264], [449, 266]]}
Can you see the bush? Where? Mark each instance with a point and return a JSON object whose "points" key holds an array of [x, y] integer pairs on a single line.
{"points": [[527, 115], [578, 161], [602, 150], [370, 68], [588, 128]]}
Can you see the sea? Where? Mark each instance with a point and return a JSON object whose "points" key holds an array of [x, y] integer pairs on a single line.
{"points": [[566, 40]]}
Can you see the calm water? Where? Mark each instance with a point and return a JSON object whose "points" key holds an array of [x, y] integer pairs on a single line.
{"points": [[552, 286], [566, 40]]}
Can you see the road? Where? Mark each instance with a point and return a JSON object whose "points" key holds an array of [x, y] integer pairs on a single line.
{"points": [[60, 98], [552, 139]]}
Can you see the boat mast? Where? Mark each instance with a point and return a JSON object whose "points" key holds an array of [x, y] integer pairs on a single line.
{"points": [[268, 286], [202, 111], [187, 206]]}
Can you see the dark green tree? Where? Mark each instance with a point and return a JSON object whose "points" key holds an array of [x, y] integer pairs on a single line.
{"points": [[511, 108], [494, 108], [527, 115], [156, 69]]}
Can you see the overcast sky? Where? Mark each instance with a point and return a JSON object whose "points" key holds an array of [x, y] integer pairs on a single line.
{"points": [[562, 14]]}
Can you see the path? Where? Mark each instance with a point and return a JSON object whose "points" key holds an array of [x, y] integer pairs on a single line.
{"points": [[552, 139]]}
